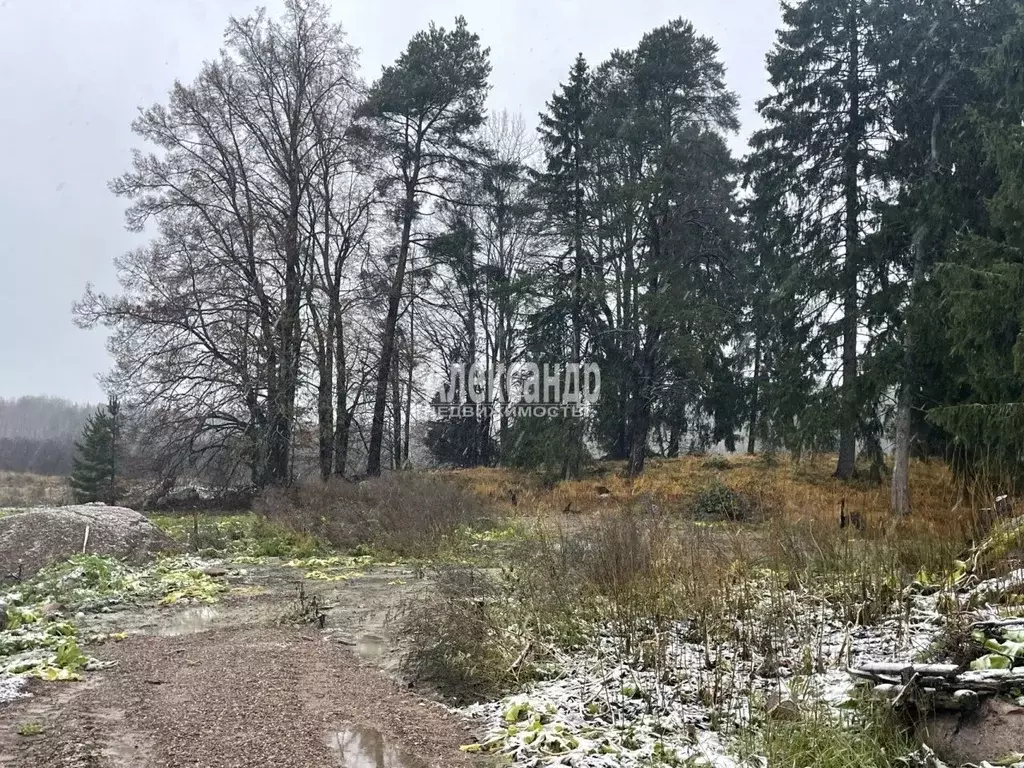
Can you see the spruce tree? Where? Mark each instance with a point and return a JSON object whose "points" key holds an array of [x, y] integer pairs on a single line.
{"points": [[94, 471], [563, 186], [563, 190], [982, 295], [823, 124], [782, 350], [935, 163]]}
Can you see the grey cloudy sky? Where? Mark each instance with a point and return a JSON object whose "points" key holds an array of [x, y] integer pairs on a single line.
{"points": [[74, 72]]}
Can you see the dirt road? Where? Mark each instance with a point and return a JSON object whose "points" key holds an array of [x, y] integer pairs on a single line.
{"points": [[243, 696]]}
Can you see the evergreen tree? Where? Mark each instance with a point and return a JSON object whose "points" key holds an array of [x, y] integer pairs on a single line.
{"points": [[555, 444], [783, 352], [563, 190], [664, 193], [935, 162], [94, 473], [824, 124], [982, 295], [563, 187]]}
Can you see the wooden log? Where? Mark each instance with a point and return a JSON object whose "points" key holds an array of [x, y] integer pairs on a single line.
{"points": [[874, 676], [992, 589], [1016, 622], [929, 698], [931, 670]]}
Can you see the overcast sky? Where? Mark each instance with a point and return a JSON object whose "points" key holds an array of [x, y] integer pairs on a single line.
{"points": [[74, 72]]}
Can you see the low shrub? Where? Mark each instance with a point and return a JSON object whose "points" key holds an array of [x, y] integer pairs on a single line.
{"points": [[476, 634], [716, 500], [407, 514], [461, 643], [233, 535], [716, 463]]}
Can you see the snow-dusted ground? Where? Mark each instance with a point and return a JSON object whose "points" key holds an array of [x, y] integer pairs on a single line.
{"points": [[11, 687], [687, 698]]}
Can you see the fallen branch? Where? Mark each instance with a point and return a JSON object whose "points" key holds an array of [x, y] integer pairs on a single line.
{"points": [[906, 671], [962, 700], [520, 659]]}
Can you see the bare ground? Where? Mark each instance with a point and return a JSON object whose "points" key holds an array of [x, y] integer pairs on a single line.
{"points": [[240, 696]]}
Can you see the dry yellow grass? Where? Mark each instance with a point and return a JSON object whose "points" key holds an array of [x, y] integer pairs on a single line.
{"points": [[21, 489], [789, 491]]}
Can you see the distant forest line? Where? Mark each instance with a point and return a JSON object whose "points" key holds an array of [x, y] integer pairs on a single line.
{"points": [[38, 434]]}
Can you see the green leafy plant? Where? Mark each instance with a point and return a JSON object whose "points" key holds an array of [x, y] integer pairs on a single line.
{"points": [[30, 729]]}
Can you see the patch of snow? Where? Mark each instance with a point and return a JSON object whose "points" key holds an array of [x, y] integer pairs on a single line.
{"points": [[687, 697], [11, 687]]}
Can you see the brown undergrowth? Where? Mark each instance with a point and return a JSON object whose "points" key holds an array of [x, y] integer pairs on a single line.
{"points": [[778, 488], [22, 489]]}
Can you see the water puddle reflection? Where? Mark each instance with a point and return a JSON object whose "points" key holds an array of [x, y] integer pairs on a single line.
{"points": [[188, 622], [357, 747], [370, 646]]}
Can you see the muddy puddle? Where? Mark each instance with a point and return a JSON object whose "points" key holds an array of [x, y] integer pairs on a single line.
{"points": [[358, 610], [188, 622], [371, 646], [356, 746]]}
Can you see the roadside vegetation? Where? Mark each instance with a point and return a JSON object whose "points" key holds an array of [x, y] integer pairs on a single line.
{"points": [[707, 612], [23, 489], [39, 636], [321, 534]]}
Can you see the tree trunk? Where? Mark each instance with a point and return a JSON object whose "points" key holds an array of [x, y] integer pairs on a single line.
{"points": [[638, 442], [754, 404], [899, 500], [900, 495], [396, 409], [411, 363], [387, 351], [640, 417], [846, 466], [341, 428], [672, 452], [290, 335], [325, 409]]}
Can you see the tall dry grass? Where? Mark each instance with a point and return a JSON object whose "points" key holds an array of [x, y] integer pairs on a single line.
{"points": [[22, 489], [795, 492], [405, 514], [639, 574]]}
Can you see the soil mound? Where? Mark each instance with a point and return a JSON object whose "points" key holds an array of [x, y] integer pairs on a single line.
{"points": [[993, 733], [32, 539]]}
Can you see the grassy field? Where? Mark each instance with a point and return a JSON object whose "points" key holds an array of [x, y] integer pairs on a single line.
{"points": [[659, 620], [20, 489], [780, 489]]}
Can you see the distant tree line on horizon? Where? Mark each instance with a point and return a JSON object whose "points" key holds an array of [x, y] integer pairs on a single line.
{"points": [[323, 248], [38, 434]]}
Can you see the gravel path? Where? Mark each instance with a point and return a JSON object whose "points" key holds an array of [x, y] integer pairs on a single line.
{"points": [[229, 698]]}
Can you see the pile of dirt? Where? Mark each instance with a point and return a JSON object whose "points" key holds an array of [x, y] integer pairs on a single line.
{"points": [[32, 539], [993, 733]]}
